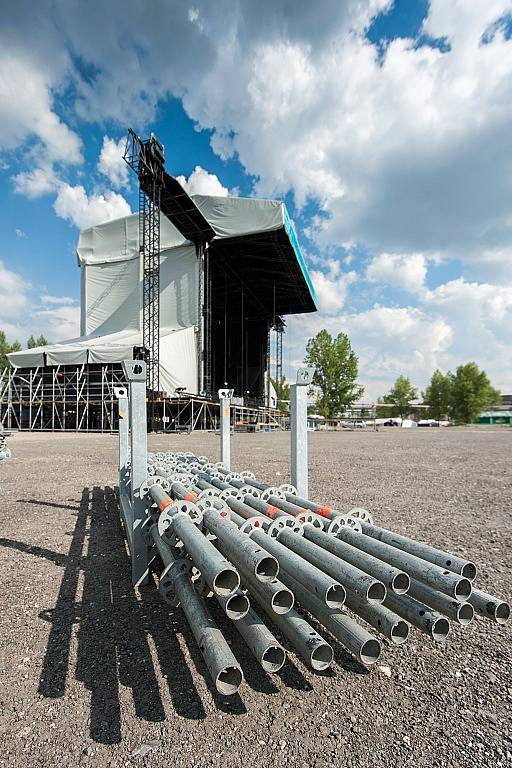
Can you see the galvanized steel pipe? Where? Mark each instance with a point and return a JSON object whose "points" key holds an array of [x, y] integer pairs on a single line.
{"points": [[446, 581]]}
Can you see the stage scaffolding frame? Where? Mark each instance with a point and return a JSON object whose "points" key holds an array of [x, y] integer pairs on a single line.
{"points": [[81, 398]]}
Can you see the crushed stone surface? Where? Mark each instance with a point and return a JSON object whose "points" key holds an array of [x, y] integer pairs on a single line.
{"points": [[95, 674]]}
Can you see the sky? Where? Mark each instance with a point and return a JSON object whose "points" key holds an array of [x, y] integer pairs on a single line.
{"points": [[385, 126]]}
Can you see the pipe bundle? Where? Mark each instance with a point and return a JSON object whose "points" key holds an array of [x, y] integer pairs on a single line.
{"points": [[273, 560]]}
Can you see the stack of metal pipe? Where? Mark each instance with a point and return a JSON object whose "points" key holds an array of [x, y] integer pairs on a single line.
{"points": [[262, 551]]}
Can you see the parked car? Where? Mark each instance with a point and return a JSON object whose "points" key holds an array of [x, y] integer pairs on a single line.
{"points": [[392, 423], [428, 423]]}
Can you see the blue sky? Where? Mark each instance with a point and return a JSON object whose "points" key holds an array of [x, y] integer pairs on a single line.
{"points": [[384, 125]]}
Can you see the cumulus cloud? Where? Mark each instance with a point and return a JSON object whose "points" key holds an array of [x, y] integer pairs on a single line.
{"points": [[26, 106], [13, 295], [60, 322], [83, 210], [406, 271], [23, 312], [331, 287], [405, 147], [111, 163], [47, 299], [35, 183], [200, 182]]}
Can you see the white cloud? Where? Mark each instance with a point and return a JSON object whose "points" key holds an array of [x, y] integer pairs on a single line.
{"points": [[26, 101], [200, 182], [83, 210], [47, 299], [60, 323], [111, 163], [20, 234], [331, 287], [35, 183], [406, 271], [14, 301], [23, 312]]}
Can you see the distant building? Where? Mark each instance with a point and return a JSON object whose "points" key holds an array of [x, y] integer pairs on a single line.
{"points": [[495, 416]]}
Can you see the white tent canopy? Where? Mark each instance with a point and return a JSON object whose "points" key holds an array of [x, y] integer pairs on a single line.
{"points": [[111, 290]]}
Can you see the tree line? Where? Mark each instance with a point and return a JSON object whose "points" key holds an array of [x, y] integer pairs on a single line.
{"points": [[460, 396], [6, 348]]}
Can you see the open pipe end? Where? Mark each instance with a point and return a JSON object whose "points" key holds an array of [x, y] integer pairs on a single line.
{"points": [[465, 614], [282, 601], [229, 680], [401, 583], [237, 606], [226, 582], [335, 596], [267, 569], [321, 657], [376, 592], [370, 652], [462, 590], [440, 629], [469, 571], [273, 658], [399, 632], [502, 613]]}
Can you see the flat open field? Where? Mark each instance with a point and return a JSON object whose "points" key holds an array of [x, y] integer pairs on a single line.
{"points": [[92, 674]]}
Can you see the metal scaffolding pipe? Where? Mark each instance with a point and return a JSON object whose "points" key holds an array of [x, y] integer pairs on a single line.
{"points": [[462, 613], [215, 569], [261, 642], [240, 549], [387, 623], [443, 580], [264, 509], [489, 606], [423, 618], [433, 555], [352, 578], [224, 669], [393, 578], [235, 606], [355, 638], [325, 587], [310, 646]]}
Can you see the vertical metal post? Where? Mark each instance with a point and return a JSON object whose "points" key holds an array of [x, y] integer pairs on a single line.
{"points": [[135, 374], [299, 430], [225, 396]]}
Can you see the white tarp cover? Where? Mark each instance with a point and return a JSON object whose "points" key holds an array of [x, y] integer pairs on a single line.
{"points": [[178, 355], [118, 240], [28, 358], [235, 216]]}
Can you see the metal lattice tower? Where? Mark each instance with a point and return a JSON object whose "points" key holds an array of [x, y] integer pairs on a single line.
{"points": [[149, 240], [146, 158], [279, 329]]}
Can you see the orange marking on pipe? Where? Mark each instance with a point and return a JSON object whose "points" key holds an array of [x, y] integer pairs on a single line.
{"points": [[165, 503], [273, 511], [323, 511], [190, 497]]}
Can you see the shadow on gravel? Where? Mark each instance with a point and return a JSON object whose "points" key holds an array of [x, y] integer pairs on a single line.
{"points": [[113, 628], [39, 503]]}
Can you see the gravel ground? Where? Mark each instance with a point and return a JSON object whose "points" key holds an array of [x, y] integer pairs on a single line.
{"points": [[92, 674]]}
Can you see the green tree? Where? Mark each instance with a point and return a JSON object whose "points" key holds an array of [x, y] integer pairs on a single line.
{"points": [[336, 367], [472, 393], [5, 348], [400, 395], [282, 388], [41, 341], [438, 394]]}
